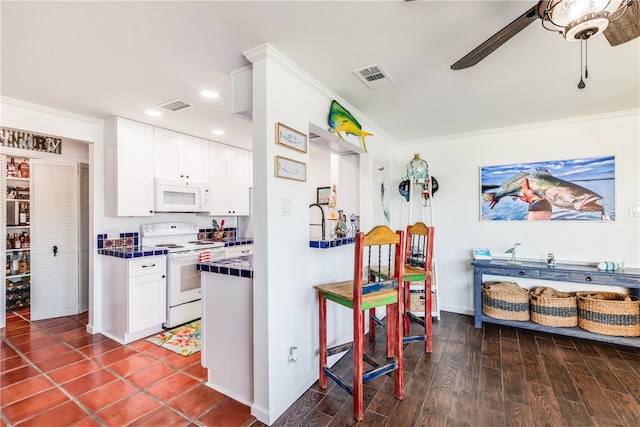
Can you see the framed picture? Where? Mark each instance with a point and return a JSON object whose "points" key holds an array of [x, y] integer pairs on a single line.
{"points": [[290, 169], [323, 195], [566, 189], [291, 138]]}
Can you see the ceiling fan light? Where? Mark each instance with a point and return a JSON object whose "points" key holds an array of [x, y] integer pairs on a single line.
{"points": [[578, 19]]}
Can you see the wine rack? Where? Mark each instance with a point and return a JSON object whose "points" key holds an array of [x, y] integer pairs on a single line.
{"points": [[18, 227]]}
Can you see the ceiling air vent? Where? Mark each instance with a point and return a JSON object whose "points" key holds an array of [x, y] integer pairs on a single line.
{"points": [[175, 105], [373, 76]]}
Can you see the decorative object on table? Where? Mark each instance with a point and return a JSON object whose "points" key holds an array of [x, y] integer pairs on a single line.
{"points": [[550, 307], [322, 195], [341, 225], [505, 300], [551, 260], [184, 340], [354, 228], [340, 120], [609, 313], [291, 138], [592, 200], [290, 169], [482, 254], [512, 250], [610, 265], [332, 213]]}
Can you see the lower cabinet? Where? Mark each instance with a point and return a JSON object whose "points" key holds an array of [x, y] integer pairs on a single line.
{"points": [[135, 297]]}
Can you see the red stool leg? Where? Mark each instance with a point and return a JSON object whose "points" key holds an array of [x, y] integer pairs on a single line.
{"points": [[428, 341], [322, 311], [358, 365]]}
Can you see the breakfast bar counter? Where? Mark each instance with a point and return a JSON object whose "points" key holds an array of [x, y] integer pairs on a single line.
{"points": [[227, 326]]}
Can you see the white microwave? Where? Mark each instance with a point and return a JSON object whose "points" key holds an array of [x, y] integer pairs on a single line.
{"points": [[181, 196]]}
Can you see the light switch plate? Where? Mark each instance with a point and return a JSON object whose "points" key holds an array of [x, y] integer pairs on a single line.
{"points": [[634, 210], [286, 207]]}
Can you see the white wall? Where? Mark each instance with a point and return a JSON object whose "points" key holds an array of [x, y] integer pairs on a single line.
{"points": [[285, 269], [456, 164]]}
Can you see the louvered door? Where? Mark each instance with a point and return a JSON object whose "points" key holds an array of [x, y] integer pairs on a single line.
{"points": [[54, 250]]}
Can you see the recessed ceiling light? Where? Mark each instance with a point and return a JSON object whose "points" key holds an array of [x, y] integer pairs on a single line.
{"points": [[209, 94], [217, 132], [154, 113]]}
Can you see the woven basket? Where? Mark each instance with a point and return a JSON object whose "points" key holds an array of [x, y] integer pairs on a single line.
{"points": [[550, 307], [609, 313], [505, 300], [417, 300]]}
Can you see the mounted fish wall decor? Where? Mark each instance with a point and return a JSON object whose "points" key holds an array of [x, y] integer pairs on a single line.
{"points": [[574, 190], [340, 120]]}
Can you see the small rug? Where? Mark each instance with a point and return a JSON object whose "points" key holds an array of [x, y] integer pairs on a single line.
{"points": [[184, 339]]}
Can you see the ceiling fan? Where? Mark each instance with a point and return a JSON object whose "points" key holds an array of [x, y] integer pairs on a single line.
{"points": [[618, 20]]}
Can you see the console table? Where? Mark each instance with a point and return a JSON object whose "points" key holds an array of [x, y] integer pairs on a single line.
{"points": [[628, 278]]}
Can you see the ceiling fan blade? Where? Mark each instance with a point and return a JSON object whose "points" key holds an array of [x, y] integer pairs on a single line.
{"points": [[626, 28], [497, 40]]}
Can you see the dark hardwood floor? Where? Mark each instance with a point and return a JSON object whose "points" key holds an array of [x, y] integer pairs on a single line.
{"points": [[495, 376]]}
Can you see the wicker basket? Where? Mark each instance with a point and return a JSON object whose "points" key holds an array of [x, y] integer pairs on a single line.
{"points": [[417, 300], [609, 313], [505, 300], [550, 307]]}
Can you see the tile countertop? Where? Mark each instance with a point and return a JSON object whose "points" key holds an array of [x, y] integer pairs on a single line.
{"points": [[132, 252], [326, 244], [241, 266], [142, 251]]}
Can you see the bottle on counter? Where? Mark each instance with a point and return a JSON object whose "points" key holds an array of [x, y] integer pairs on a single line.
{"points": [[12, 169], [23, 168], [22, 214], [15, 263], [22, 263]]}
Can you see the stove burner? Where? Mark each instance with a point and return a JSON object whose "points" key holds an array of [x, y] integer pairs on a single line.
{"points": [[202, 242], [170, 246]]}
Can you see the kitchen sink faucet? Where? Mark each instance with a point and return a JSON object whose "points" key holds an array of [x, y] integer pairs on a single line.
{"points": [[323, 220]]}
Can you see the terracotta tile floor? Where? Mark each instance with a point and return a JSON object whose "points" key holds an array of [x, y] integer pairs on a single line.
{"points": [[53, 373]]}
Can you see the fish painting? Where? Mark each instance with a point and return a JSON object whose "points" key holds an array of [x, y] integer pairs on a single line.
{"points": [[340, 120], [556, 191]]}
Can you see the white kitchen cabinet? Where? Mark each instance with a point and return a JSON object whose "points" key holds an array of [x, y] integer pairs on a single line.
{"points": [[135, 297], [240, 250], [128, 168], [230, 180], [179, 156]]}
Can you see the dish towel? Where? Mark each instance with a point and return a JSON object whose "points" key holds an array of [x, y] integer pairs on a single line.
{"points": [[205, 256]]}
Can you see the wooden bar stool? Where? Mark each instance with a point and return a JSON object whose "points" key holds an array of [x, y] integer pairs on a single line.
{"points": [[361, 294], [418, 268]]}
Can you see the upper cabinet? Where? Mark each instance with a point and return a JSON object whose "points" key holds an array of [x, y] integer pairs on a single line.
{"points": [[230, 180], [181, 157], [128, 168]]}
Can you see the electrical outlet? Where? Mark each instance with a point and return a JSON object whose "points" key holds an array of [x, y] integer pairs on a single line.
{"points": [[634, 210], [293, 354]]}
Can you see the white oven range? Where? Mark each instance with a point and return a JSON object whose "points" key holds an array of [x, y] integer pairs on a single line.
{"points": [[183, 280]]}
